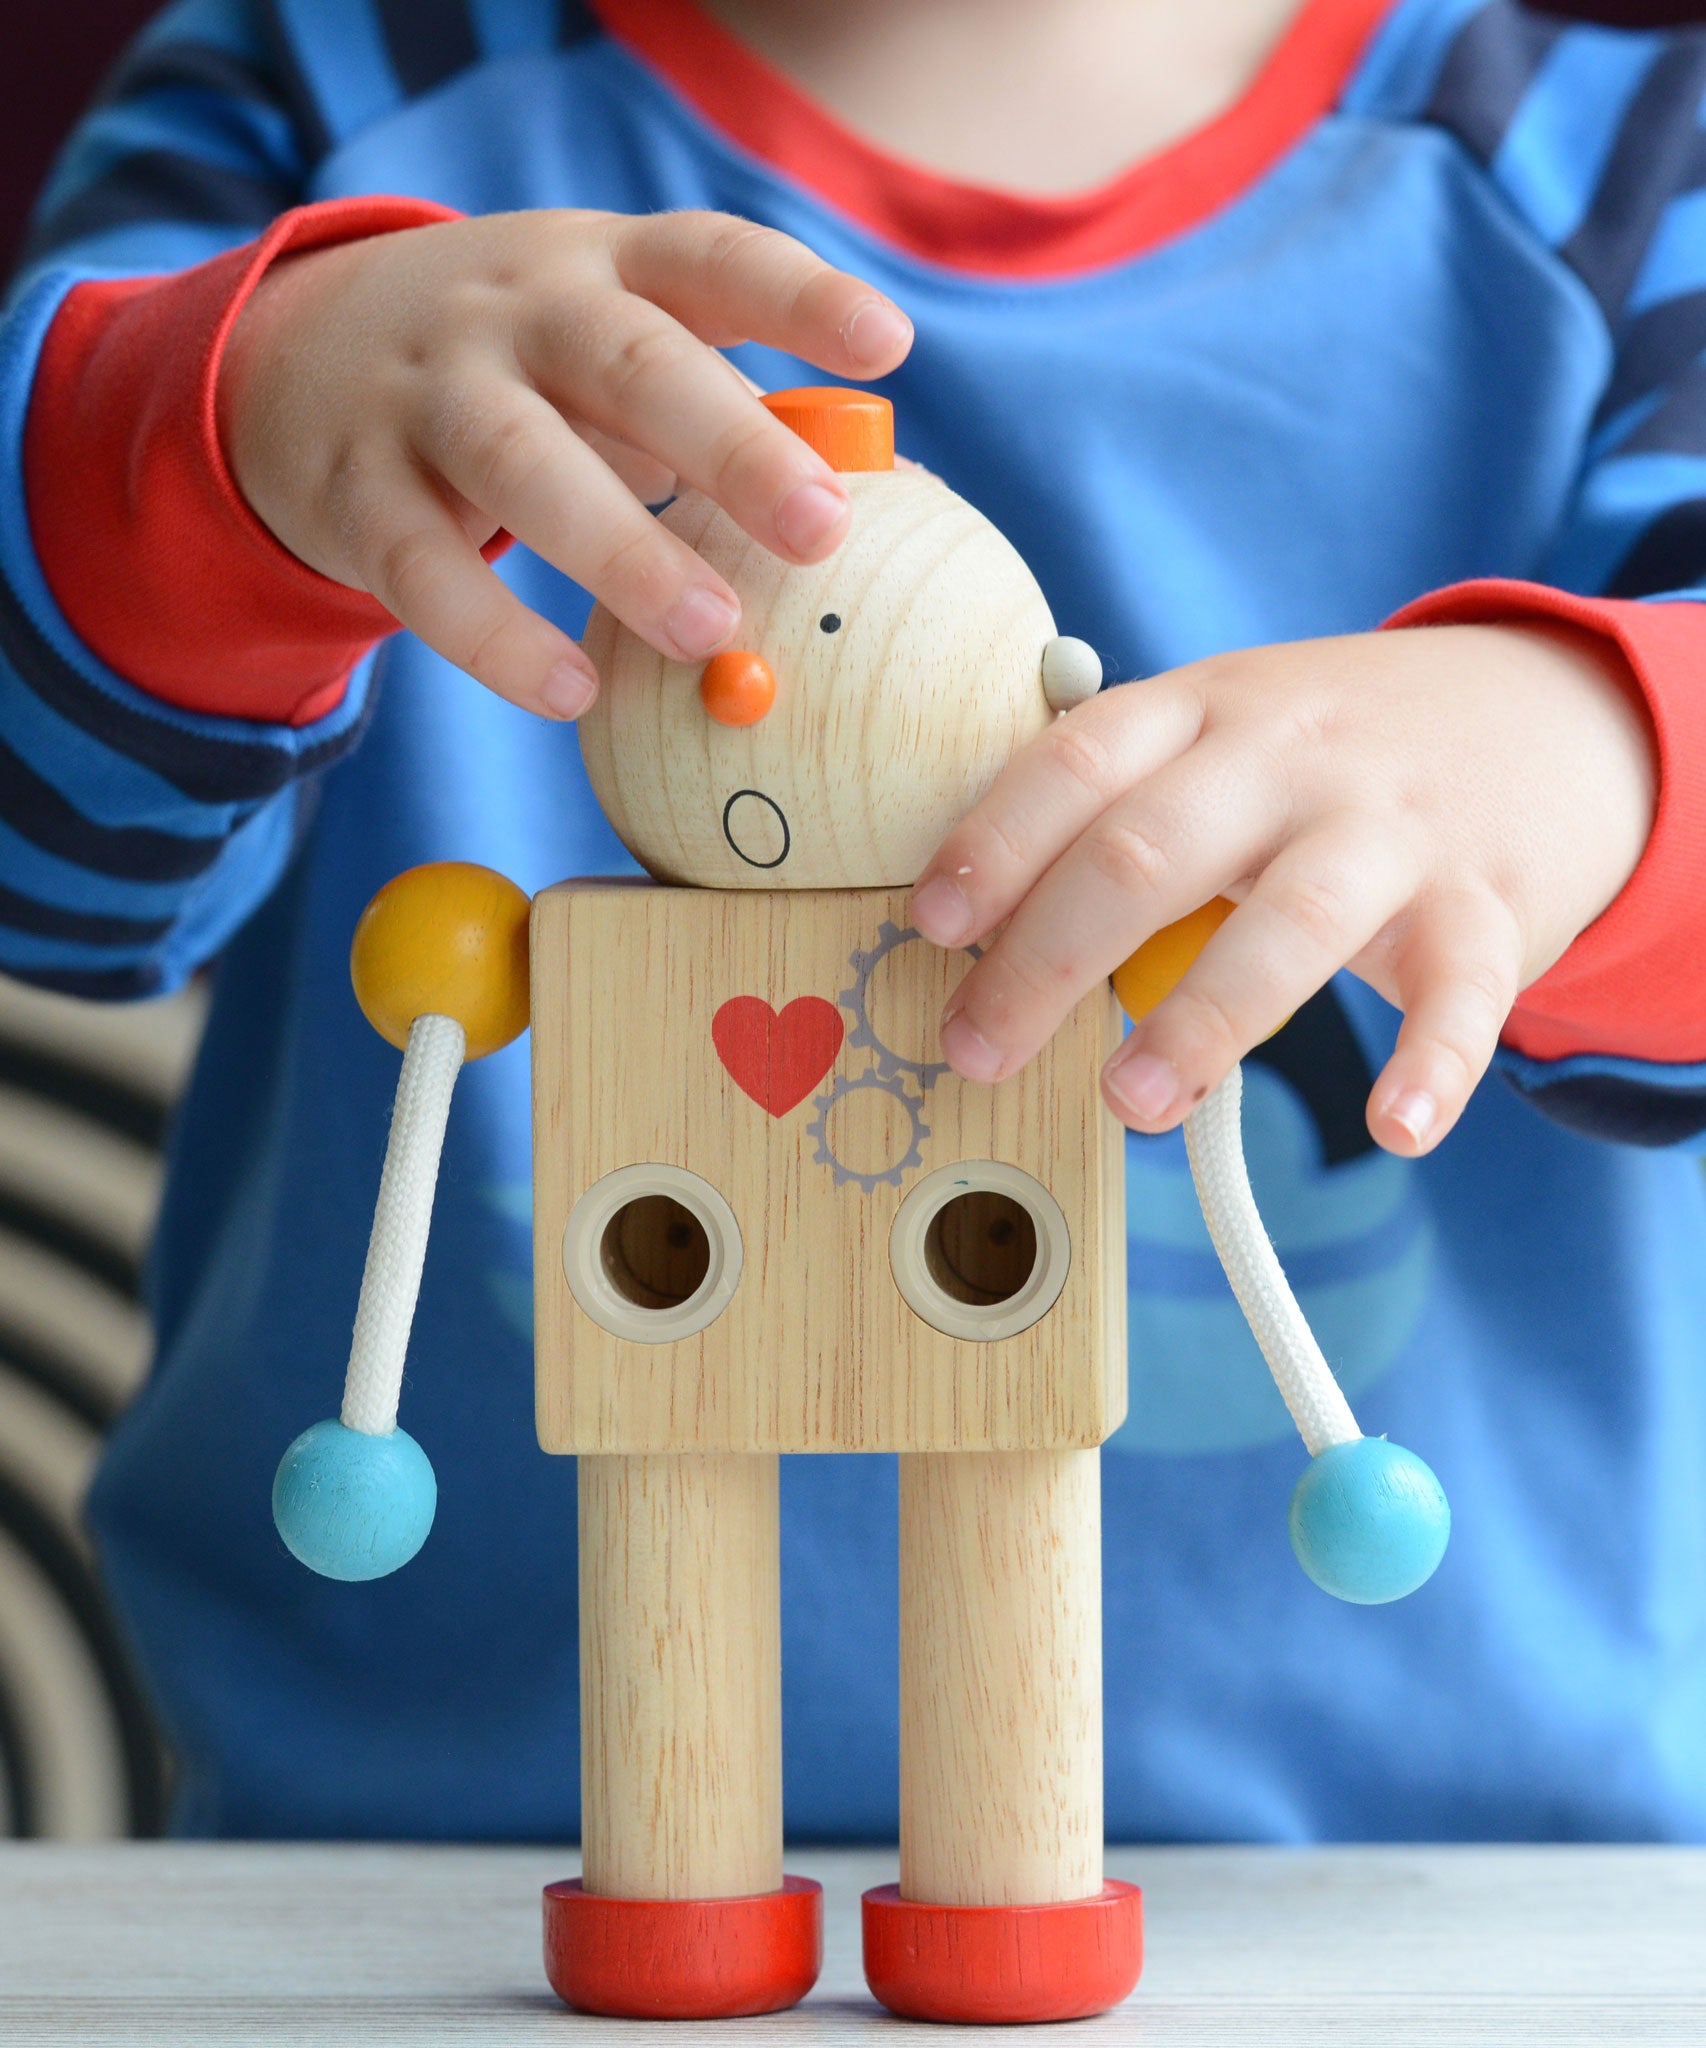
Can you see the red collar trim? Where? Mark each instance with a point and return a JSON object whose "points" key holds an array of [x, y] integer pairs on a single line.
{"points": [[977, 227]]}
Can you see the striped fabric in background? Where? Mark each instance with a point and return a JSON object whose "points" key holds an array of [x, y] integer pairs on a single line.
{"points": [[84, 1096]]}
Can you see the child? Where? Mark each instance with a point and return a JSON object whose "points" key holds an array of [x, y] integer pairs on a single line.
{"points": [[1396, 319]]}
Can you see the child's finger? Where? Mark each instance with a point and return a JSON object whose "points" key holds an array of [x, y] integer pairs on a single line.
{"points": [[1314, 907], [1043, 800], [634, 372], [650, 481], [415, 558], [504, 449], [730, 281], [1457, 973], [1181, 836]]}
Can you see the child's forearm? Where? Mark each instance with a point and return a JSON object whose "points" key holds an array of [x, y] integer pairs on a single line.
{"points": [[170, 672], [1630, 985], [150, 552], [148, 766]]}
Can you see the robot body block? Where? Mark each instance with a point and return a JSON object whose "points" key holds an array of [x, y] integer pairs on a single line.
{"points": [[767, 1217]]}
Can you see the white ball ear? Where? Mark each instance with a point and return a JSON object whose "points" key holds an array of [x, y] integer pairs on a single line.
{"points": [[1072, 672]]}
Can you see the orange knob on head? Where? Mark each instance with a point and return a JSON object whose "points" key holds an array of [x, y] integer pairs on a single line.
{"points": [[737, 687], [448, 940], [850, 429]]}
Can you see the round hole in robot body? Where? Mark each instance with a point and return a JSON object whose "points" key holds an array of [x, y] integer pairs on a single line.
{"points": [[655, 1252], [980, 1250], [652, 1253]]}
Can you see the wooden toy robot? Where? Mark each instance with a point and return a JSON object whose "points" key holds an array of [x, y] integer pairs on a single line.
{"points": [[768, 1218]]}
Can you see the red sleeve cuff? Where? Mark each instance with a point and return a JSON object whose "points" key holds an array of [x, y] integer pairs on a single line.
{"points": [[1633, 984], [151, 553]]}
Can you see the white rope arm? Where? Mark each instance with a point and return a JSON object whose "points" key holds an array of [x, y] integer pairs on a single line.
{"points": [[402, 1218], [1303, 1376]]}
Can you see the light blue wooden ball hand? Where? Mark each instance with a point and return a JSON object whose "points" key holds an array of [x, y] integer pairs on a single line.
{"points": [[1369, 1521], [439, 966]]}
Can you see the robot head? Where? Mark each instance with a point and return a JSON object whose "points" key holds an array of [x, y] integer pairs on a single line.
{"points": [[870, 700]]}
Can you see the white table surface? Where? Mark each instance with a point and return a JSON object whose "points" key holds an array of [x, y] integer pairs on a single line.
{"points": [[265, 1946]]}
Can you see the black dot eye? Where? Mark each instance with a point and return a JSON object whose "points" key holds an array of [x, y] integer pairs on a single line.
{"points": [[830, 622]]}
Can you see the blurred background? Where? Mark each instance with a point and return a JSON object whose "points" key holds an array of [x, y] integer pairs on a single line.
{"points": [[86, 1096]]}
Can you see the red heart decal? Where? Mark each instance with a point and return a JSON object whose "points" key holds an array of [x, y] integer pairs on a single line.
{"points": [[777, 1057]]}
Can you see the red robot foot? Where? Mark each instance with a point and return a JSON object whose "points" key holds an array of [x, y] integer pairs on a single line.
{"points": [[998, 1965], [683, 1959]]}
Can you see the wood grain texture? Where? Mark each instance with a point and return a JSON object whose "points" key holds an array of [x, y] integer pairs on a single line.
{"points": [[885, 730], [1000, 1677], [681, 1687], [816, 1350], [226, 1945]]}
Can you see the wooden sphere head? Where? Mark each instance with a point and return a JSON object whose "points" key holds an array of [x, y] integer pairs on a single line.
{"points": [[907, 671], [447, 940]]}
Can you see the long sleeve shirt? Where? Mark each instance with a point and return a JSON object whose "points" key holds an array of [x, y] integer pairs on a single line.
{"points": [[1413, 332]]}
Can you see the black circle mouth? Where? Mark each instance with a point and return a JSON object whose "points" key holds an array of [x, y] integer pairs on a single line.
{"points": [[729, 832]]}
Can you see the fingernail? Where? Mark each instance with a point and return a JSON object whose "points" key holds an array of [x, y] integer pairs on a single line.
{"points": [[876, 331], [941, 912], [808, 515], [568, 689], [968, 1052], [1144, 1086], [1416, 1110], [700, 620]]}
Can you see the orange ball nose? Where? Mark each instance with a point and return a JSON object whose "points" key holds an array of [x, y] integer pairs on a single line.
{"points": [[737, 687]]}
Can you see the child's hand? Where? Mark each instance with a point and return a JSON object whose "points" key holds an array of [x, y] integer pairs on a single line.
{"points": [[1441, 809], [388, 405]]}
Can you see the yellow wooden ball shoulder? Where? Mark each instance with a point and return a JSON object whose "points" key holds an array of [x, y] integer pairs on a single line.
{"points": [[1146, 977], [448, 939], [1161, 963]]}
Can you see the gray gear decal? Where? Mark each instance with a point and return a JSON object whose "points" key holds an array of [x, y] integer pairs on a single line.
{"points": [[819, 1129], [891, 1065]]}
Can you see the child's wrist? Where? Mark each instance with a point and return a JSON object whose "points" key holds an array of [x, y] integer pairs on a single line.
{"points": [[1627, 751], [150, 549], [276, 325], [1628, 985]]}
